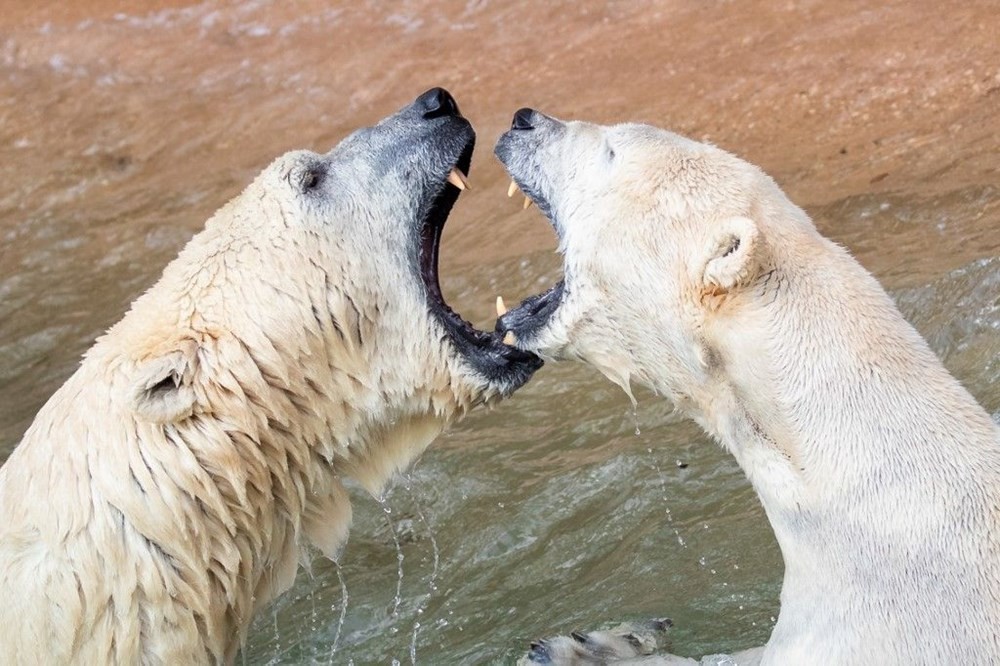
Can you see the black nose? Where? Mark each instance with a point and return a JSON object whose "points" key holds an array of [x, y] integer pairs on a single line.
{"points": [[522, 119], [437, 102]]}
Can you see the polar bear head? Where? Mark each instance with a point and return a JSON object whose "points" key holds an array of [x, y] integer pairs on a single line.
{"points": [[316, 291], [663, 238]]}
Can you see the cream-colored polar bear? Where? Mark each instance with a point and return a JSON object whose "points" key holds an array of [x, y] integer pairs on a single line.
{"points": [[689, 271], [164, 493]]}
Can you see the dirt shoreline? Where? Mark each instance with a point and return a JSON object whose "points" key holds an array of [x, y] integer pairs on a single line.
{"points": [[833, 99]]}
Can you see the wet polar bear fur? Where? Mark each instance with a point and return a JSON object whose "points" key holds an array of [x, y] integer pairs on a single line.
{"points": [[689, 271], [165, 491]]}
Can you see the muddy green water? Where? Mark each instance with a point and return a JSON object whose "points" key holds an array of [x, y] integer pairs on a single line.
{"points": [[560, 509]]}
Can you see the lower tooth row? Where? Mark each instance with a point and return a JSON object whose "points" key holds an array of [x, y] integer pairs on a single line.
{"points": [[509, 338]]}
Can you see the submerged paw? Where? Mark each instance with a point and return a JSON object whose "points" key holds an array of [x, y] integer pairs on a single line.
{"points": [[628, 640]]}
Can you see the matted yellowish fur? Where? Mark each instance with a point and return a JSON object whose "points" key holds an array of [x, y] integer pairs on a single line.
{"points": [[165, 492]]}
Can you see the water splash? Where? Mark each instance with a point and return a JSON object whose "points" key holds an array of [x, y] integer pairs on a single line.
{"points": [[313, 616], [413, 643], [343, 612], [398, 599], [432, 580], [655, 466], [277, 634]]}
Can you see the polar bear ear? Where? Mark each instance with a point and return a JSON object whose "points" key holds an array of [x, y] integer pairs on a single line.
{"points": [[735, 255], [162, 387]]}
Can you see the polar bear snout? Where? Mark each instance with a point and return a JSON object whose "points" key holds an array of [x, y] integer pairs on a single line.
{"points": [[437, 103], [523, 119], [528, 150]]}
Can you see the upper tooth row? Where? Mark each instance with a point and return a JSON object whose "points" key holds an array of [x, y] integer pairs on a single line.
{"points": [[458, 179]]}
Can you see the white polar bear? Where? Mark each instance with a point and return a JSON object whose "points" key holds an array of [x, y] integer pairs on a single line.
{"points": [[164, 493], [689, 271]]}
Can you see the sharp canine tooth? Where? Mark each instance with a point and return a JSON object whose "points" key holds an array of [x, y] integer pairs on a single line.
{"points": [[501, 308], [509, 339], [527, 203], [511, 189], [457, 178]]}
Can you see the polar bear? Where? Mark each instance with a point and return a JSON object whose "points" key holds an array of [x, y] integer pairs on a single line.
{"points": [[164, 493], [689, 271]]}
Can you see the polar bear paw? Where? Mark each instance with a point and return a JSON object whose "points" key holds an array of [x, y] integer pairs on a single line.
{"points": [[625, 642]]}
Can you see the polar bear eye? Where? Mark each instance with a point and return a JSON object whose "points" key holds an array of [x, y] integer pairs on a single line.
{"points": [[307, 176], [310, 178]]}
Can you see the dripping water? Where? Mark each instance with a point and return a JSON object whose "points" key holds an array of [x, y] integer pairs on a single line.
{"points": [[343, 612], [655, 466], [398, 599], [432, 580]]}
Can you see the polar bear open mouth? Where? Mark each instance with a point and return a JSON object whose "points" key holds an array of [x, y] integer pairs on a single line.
{"points": [[517, 151], [484, 350]]}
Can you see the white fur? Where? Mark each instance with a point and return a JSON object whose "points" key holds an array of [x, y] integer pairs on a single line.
{"points": [[878, 471], [163, 495]]}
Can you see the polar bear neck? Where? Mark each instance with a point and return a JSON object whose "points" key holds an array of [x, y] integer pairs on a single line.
{"points": [[847, 381], [878, 471]]}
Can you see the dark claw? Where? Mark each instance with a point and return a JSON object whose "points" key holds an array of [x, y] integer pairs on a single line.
{"points": [[662, 624], [539, 653], [578, 637]]}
